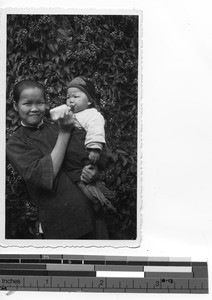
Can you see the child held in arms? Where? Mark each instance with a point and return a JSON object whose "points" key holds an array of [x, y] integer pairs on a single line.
{"points": [[81, 98]]}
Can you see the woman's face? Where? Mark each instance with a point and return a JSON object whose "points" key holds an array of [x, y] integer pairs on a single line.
{"points": [[31, 106]]}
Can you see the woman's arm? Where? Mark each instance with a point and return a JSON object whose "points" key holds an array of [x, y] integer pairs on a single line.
{"points": [[34, 165], [57, 155]]}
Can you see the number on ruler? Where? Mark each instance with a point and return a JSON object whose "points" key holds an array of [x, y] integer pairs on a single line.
{"points": [[101, 283], [157, 283]]}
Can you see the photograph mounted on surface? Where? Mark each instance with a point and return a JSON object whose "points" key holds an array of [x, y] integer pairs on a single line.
{"points": [[72, 128]]}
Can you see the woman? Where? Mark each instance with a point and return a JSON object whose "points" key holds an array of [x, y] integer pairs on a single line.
{"points": [[37, 150]]}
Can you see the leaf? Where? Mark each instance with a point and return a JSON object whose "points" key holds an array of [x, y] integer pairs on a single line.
{"points": [[118, 170], [118, 180], [119, 151], [114, 156], [62, 32], [112, 46], [51, 47], [105, 26], [123, 177], [56, 46], [58, 40], [109, 41], [67, 70], [122, 51], [125, 161]]}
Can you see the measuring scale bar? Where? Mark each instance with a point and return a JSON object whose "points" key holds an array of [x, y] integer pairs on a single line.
{"points": [[102, 284], [102, 274]]}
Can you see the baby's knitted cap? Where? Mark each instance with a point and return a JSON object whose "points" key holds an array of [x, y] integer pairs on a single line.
{"points": [[85, 85]]}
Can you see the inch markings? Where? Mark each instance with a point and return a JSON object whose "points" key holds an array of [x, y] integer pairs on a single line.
{"points": [[102, 274]]}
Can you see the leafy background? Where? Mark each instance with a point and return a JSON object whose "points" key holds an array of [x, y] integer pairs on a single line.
{"points": [[53, 49]]}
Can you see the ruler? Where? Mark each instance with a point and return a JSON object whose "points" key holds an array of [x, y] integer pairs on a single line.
{"points": [[104, 274]]}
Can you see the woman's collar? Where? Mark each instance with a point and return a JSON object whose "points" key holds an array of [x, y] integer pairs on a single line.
{"points": [[38, 126]]}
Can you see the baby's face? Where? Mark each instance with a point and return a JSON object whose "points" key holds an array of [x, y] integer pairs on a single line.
{"points": [[77, 99]]}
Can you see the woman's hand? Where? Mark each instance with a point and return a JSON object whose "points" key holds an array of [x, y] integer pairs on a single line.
{"points": [[66, 120], [89, 173]]}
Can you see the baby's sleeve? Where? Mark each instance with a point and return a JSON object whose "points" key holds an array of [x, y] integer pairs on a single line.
{"points": [[95, 131]]}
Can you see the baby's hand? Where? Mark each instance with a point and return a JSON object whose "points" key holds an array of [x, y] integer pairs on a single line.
{"points": [[94, 156], [72, 106]]}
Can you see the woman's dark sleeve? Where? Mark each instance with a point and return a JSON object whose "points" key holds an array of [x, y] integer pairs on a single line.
{"points": [[35, 168]]}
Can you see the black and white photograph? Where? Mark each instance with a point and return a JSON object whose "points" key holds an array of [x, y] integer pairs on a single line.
{"points": [[72, 98], [106, 149]]}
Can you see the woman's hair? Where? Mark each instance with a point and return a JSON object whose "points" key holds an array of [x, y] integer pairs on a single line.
{"points": [[25, 84]]}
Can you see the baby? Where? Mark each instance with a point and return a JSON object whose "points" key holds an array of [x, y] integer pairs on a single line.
{"points": [[81, 100]]}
